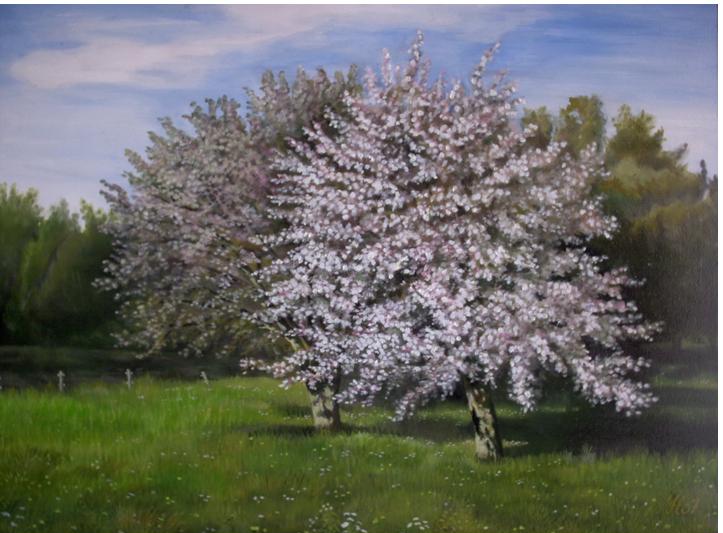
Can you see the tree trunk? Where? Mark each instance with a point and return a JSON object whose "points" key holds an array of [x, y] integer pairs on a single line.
{"points": [[488, 445], [324, 408]]}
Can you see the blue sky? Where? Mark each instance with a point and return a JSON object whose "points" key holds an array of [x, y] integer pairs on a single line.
{"points": [[79, 84]]}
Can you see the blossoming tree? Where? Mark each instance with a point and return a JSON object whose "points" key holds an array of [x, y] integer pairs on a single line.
{"points": [[183, 234], [188, 231], [432, 245]]}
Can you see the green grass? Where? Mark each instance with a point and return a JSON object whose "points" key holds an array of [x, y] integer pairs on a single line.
{"points": [[240, 456]]}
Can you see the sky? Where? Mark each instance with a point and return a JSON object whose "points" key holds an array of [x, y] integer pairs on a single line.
{"points": [[80, 84]]}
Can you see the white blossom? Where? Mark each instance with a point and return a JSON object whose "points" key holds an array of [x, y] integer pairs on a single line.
{"points": [[428, 241]]}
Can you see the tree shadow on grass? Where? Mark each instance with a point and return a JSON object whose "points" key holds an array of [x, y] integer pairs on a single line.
{"points": [[542, 432], [688, 397], [292, 410], [281, 430], [684, 419], [435, 429]]}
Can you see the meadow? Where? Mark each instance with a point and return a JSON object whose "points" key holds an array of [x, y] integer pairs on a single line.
{"points": [[238, 454]]}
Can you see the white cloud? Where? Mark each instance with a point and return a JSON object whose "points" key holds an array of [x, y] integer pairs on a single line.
{"points": [[64, 147], [471, 22], [181, 63], [107, 55]]}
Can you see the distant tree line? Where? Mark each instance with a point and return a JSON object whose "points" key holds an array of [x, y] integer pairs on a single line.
{"points": [[48, 261], [668, 215], [667, 237]]}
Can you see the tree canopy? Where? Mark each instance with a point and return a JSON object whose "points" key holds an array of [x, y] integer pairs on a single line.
{"points": [[428, 244], [49, 263], [669, 226], [667, 214]]}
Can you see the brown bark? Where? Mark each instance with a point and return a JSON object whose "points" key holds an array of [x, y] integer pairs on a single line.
{"points": [[488, 444], [324, 408]]}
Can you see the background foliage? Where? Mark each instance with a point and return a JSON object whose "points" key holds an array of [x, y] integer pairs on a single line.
{"points": [[668, 215], [47, 268]]}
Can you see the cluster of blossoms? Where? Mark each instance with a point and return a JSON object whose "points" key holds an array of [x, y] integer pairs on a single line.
{"points": [[428, 243], [186, 236], [183, 236], [403, 238]]}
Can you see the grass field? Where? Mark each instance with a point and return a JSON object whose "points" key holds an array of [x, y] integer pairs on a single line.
{"points": [[240, 456]]}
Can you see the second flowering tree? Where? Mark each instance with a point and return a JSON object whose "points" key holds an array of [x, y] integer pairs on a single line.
{"points": [[188, 228]]}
